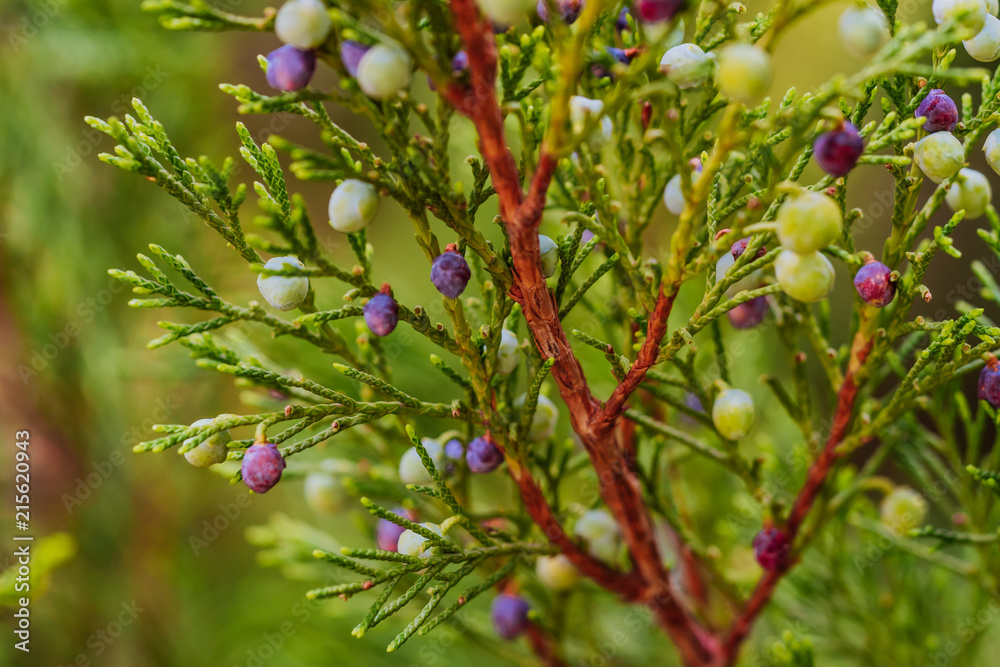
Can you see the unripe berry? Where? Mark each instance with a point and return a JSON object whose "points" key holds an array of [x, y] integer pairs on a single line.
{"points": [[569, 10], [384, 72], [862, 31], [989, 383], [992, 6], [557, 572], [302, 23], [673, 194], [450, 273], [749, 314], [482, 456], [508, 353], [654, 11], [387, 533], [687, 66], [968, 14], [509, 614], [733, 413], [601, 533], [838, 151], [985, 46], [991, 148], [210, 451], [353, 205], [971, 192], [262, 466], [351, 53], [902, 510], [939, 110], [582, 109], [412, 544], [290, 68], [939, 156], [808, 221], [411, 468], [543, 422], [744, 72], [874, 284], [506, 11], [381, 314], [771, 548], [324, 493], [806, 278], [283, 292], [549, 254]]}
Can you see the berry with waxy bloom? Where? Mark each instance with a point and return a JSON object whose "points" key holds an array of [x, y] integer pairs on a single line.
{"points": [[874, 283], [543, 422], [939, 156], [749, 314], [991, 148], [323, 492], [414, 544], [970, 15], [771, 548], [838, 151], [387, 533], [351, 53], [985, 45], [971, 192], [744, 72], [454, 452], [509, 614], [862, 31], [601, 533], [939, 110], [283, 292], [302, 23], [482, 456], [549, 252], [353, 205], [733, 413], [673, 194], [211, 450], [508, 352], [655, 11], [989, 382], [450, 272], [384, 71], [805, 278], [381, 313], [740, 247], [808, 221], [262, 466], [687, 66], [289, 68], [411, 468], [902, 510], [569, 10], [557, 572]]}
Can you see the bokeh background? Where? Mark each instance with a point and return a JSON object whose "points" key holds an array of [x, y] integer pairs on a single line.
{"points": [[127, 586]]}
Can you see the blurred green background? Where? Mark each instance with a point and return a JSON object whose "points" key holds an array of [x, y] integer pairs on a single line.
{"points": [[133, 589]]}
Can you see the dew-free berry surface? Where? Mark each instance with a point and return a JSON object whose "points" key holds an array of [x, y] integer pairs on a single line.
{"points": [[290, 68], [450, 273], [838, 151], [483, 456], [381, 314], [509, 614], [939, 110], [874, 284], [771, 548], [262, 467]]}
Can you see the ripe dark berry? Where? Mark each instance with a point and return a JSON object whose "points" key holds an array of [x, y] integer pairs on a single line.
{"points": [[623, 56], [654, 11], [771, 548], [262, 466], [381, 314], [569, 10], [874, 284], [450, 272], [387, 533], [289, 68], [621, 23], [509, 614], [750, 314], [740, 247], [460, 62], [350, 55], [989, 382], [483, 456], [838, 151], [939, 110]]}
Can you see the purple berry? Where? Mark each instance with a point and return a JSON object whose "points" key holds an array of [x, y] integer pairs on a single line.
{"points": [[874, 284], [750, 314], [654, 11], [483, 456], [450, 272], [460, 62], [623, 56], [262, 466], [350, 54], [989, 383], [509, 614], [569, 10], [289, 68], [454, 449], [740, 247], [621, 23], [381, 314], [939, 110], [838, 151], [771, 548], [387, 533]]}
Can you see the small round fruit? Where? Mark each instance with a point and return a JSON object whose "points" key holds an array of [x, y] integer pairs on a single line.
{"points": [[771, 548], [673, 194], [939, 156], [744, 72], [805, 278], [874, 284], [323, 492], [283, 292], [687, 66], [971, 193], [968, 14], [450, 273], [557, 572], [733, 413], [353, 205], [862, 31], [381, 314], [351, 53], [543, 422], [838, 151], [939, 110], [902, 510], [289, 68], [387, 533], [989, 383], [569, 10], [549, 252], [302, 23], [601, 533], [991, 148], [992, 7], [482, 456], [655, 11], [508, 352], [740, 247], [749, 314], [985, 46], [621, 23], [384, 72], [209, 451], [414, 544], [510, 615], [411, 468], [582, 109], [507, 12], [808, 222], [262, 466]]}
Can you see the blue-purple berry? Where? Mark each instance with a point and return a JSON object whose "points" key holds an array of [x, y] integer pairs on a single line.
{"points": [[387, 533], [874, 284], [771, 548], [655, 11], [569, 10], [749, 314], [351, 53], [290, 68], [621, 23], [450, 272], [939, 110], [454, 449], [989, 382], [838, 151], [460, 62], [483, 456], [509, 614], [381, 314], [262, 466]]}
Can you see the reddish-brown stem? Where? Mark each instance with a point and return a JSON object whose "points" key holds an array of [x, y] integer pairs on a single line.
{"points": [[543, 646]]}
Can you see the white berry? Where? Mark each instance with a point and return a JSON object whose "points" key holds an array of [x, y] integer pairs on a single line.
{"points": [[806, 278], [991, 148], [550, 255], [985, 46], [302, 23], [903, 509], [971, 192], [969, 14], [210, 451], [602, 534], [744, 72], [557, 572], [283, 292], [733, 413], [411, 468], [687, 66], [323, 492], [412, 544], [862, 31], [384, 72], [508, 353], [353, 205], [939, 156]]}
